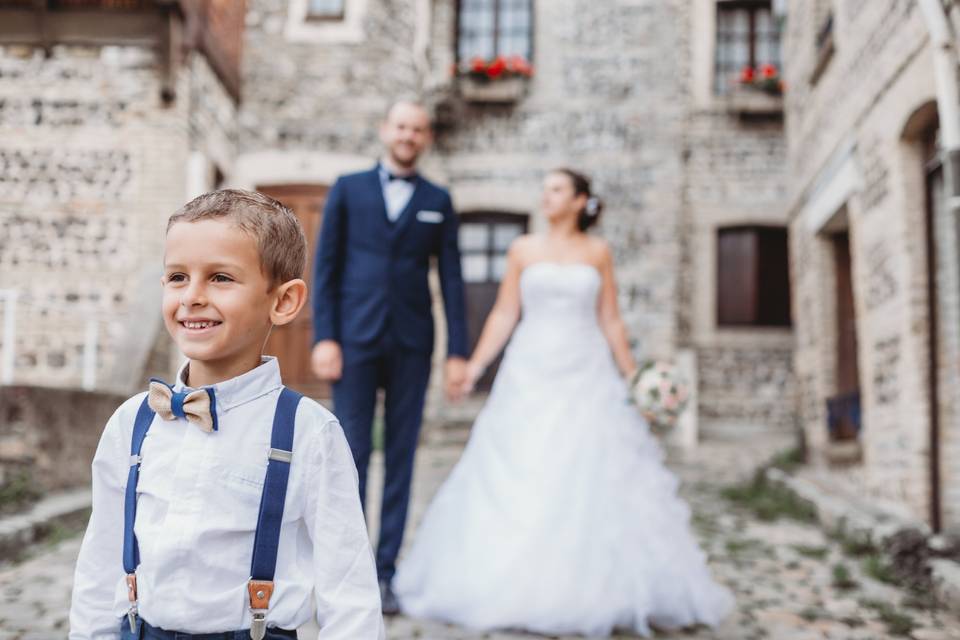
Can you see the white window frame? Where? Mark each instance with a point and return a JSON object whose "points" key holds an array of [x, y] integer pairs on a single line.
{"points": [[303, 28]]}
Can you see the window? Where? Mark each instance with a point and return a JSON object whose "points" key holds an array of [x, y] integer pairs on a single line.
{"points": [[747, 36], [753, 280], [325, 9], [491, 28], [484, 241]]}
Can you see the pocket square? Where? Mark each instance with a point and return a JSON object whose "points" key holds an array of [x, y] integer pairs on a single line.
{"points": [[432, 217]]}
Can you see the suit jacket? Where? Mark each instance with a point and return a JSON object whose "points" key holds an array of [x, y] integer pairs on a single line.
{"points": [[370, 273]]}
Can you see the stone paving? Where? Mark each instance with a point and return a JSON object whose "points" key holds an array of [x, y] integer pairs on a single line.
{"points": [[783, 572]]}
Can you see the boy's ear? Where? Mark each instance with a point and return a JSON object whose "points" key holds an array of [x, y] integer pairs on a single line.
{"points": [[290, 298]]}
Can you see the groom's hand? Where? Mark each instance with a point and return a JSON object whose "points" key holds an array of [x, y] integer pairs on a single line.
{"points": [[327, 360], [454, 376]]}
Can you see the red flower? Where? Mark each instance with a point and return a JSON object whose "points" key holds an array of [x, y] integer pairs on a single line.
{"points": [[518, 65], [496, 68], [478, 65], [768, 71], [747, 74]]}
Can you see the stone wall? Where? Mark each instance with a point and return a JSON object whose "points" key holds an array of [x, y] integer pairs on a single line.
{"points": [[92, 161], [855, 151], [51, 434]]}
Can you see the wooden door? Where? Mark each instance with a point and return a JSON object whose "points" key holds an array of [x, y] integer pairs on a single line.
{"points": [[292, 343], [484, 240], [845, 405]]}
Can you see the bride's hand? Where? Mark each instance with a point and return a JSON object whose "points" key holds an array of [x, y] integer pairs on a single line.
{"points": [[474, 373]]}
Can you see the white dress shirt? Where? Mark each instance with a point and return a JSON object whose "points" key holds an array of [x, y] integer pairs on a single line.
{"points": [[396, 194], [197, 507]]}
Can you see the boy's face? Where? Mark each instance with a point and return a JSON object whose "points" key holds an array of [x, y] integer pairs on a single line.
{"points": [[216, 299]]}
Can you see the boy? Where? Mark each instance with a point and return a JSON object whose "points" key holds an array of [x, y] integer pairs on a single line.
{"points": [[201, 493]]}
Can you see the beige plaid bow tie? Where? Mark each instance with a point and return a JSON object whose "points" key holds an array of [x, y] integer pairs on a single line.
{"points": [[198, 407]]}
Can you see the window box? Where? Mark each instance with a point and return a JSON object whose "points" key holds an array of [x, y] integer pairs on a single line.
{"points": [[752, 101], [499, 91]]}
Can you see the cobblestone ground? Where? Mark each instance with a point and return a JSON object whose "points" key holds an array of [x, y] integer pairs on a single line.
{"points": [[783, 573]]}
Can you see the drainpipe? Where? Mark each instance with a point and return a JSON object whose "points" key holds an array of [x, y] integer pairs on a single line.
{"points": [[945, 62]]}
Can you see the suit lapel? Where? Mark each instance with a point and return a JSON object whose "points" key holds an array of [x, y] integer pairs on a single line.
{"points": [[376, 188]]}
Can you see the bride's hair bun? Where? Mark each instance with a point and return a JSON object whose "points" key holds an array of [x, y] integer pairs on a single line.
{"points": [[590, 214]]}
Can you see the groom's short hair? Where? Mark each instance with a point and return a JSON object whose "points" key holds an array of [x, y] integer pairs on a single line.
{"points": [[413, 102], [281, 242]]}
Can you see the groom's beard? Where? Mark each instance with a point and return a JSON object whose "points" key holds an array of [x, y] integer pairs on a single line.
{"points": [[408, 165]]}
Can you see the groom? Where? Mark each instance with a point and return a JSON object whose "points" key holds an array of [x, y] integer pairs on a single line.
{"points": [[372, 310]]}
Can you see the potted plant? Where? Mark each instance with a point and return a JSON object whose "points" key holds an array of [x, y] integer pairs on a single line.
{"points": [[757, 91], [502, 79]]}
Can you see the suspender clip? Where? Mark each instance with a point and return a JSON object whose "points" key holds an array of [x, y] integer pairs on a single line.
{"points": [[132, 596], [260, 592]]}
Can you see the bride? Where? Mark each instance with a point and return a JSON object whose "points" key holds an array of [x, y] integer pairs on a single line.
{"points": [[560, 517]]}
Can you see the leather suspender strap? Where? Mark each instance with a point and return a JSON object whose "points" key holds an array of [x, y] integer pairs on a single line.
{"points": [[263, 566], [131, 552]]}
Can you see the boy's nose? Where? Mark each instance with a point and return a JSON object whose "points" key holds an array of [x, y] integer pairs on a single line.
{"points": [[193, 296]]}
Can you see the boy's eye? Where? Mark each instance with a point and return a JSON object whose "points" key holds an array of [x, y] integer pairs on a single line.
{"points": [[222, 277], [176, 277]]}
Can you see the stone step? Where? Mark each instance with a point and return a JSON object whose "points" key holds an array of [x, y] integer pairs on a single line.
{"points": [[20, 530]]}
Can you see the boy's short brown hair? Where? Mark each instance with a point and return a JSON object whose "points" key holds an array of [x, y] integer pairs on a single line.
{"points": [[280, 239]]}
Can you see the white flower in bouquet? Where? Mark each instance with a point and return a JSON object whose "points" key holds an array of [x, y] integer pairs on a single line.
{"points": [[660, 393]]}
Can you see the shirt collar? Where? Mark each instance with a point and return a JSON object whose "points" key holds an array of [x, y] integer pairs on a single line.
{"points": [[384, 172], [248, 386]]}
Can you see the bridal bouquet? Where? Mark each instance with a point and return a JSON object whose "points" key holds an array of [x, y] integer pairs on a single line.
{"points": [[660, 393]]}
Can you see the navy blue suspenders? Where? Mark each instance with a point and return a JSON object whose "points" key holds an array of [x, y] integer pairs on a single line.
{"points": [[131, 553], [263, 565], [266, 540]]}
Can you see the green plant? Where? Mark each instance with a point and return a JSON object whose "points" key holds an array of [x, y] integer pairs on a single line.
{"points": [[842, 579], [768, 500], [810, 551], [879, 569], [18, 492]]}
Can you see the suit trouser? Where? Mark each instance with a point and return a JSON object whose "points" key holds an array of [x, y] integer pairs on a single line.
{"points": [[403, 375]]}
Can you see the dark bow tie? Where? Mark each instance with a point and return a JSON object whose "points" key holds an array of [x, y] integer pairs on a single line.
{"points": [[410, 178]]}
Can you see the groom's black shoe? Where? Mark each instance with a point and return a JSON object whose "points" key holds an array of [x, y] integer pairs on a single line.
{"points": [[388, 599]]}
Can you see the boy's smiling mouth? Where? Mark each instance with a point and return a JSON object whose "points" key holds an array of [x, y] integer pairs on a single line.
{"points": [[197, 325]]}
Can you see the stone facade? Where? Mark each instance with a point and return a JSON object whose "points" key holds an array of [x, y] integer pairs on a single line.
{"points": [[858, 113], [618, 92], [93, 159]]}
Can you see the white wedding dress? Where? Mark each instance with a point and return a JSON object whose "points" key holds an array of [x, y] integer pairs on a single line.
{"points": [[560, 517]]}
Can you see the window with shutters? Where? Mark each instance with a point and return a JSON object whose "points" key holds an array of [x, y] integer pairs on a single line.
{"points": [[753, 281]]}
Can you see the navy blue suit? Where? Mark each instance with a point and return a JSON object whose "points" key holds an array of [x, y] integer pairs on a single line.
{"points": [[371, 295]]}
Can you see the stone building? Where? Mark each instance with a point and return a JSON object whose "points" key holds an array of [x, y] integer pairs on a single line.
{"points": [[640, 95], [113, 112], [874, 257], [104, 109]]}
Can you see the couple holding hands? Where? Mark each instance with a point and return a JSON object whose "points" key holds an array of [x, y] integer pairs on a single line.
{"points": [[560, 516]]}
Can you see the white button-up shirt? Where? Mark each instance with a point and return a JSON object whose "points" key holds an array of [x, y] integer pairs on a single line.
{"points": [[197, 508], [396, 194]]}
